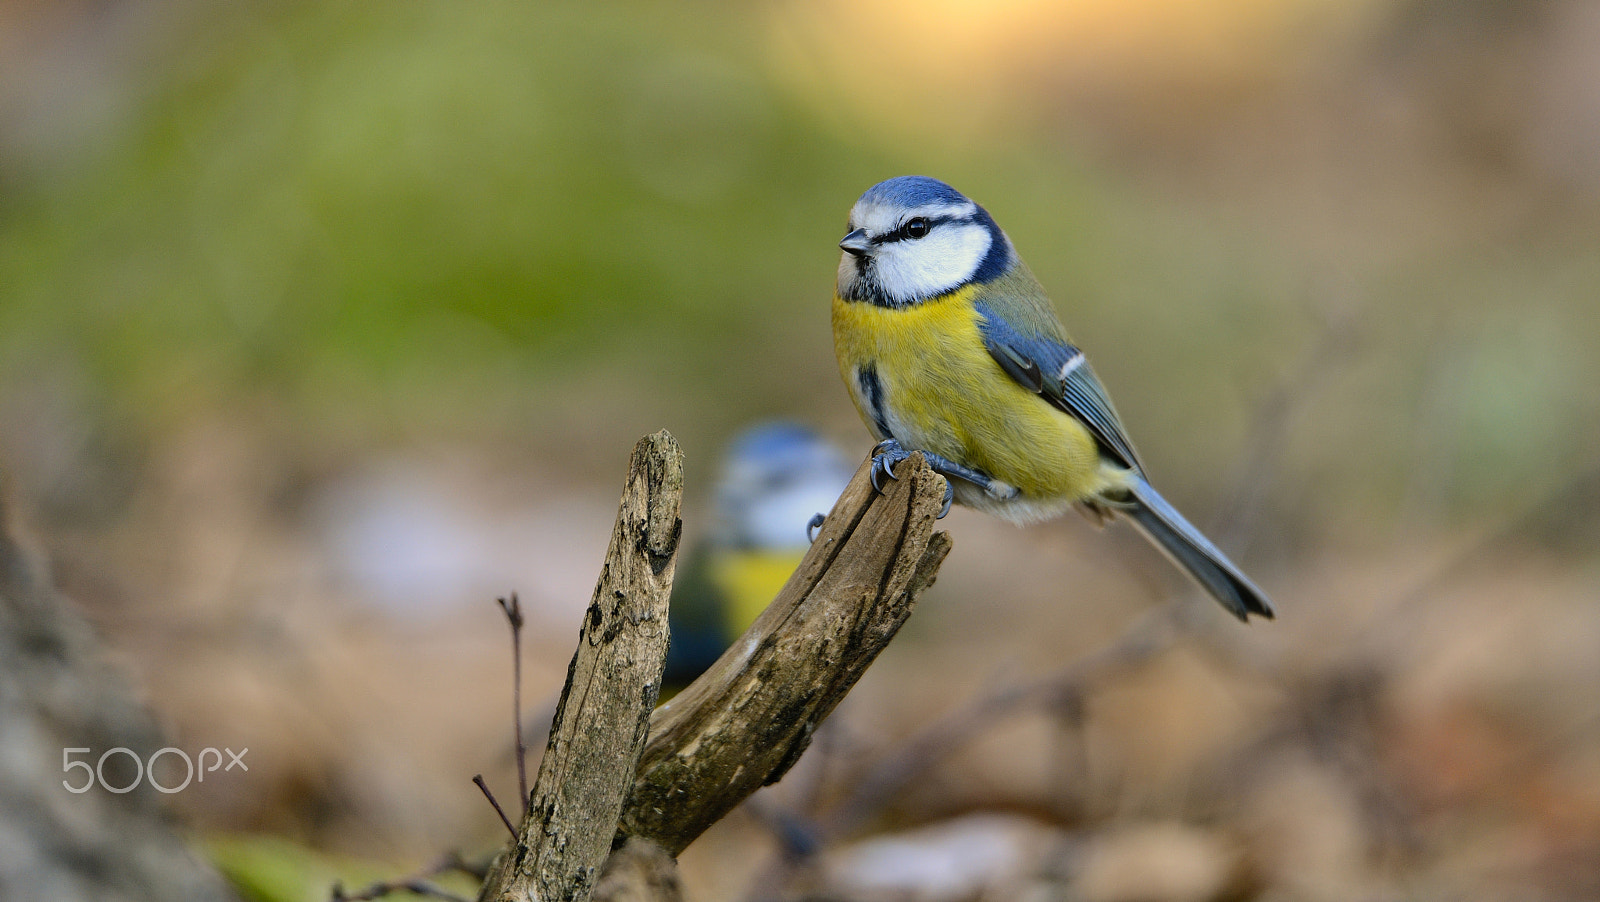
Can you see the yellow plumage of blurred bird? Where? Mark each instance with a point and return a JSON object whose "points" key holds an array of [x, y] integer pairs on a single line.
{"points": [[775, 479], [949, 346]]}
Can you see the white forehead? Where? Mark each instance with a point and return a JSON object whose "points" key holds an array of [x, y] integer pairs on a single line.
{"points": [[878, 217]]}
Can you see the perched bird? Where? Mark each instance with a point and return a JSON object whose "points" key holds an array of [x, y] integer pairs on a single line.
{"points": [[949, 346], [775, 479]]}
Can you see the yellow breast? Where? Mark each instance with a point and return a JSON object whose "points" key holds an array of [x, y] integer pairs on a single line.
{"points": [[942, 392]]}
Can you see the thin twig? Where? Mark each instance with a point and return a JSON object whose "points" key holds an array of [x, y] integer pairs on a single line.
{"points": [[379, 890], [416, 883], [478, 779], [513, 610]]}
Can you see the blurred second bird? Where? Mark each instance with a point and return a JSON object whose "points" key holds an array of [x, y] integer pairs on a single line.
{"points": [[775, 478]]}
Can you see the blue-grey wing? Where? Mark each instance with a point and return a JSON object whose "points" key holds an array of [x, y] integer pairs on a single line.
{"points": [[1060, 374]]}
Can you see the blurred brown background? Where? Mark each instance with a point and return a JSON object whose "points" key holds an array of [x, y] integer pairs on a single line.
{"points": [[322, 324]]}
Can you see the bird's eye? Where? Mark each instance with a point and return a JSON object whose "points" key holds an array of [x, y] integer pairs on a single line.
{"points": [[916, 227]]}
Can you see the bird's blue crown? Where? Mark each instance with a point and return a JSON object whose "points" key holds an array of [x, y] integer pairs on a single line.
{"points": [[773, 440], [913, 191]]}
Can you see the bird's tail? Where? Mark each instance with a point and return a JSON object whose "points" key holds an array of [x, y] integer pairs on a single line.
{"points": [[1185, 546]]}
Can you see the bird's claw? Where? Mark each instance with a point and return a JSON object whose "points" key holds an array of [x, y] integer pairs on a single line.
{"points": [[887, 453], [814, 525]]}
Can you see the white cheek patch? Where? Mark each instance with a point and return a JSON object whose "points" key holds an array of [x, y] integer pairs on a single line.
{"points": [[911, 270]]}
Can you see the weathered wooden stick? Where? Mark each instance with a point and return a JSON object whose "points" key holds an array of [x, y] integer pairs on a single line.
{"points": [[612, 683], [743, 723]]}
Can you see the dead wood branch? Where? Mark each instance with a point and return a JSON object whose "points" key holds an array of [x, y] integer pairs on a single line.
{"points": [[743, 723], [612, 683]]}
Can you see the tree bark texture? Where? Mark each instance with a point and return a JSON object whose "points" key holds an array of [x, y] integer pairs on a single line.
{"points": [[746, 721], [612, 684]]}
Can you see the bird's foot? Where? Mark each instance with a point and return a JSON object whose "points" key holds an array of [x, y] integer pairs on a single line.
{"points": [[885, 455], [890, 452]]}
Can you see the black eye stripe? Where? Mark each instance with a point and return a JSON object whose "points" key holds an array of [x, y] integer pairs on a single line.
{"points": [[900, 234]]}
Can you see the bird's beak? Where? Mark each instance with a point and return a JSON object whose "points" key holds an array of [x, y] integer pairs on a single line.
{"points": [[856, 243]]}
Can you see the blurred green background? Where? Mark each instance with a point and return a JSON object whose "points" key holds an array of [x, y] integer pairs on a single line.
{"points": [[380, 222], [285, 288]]}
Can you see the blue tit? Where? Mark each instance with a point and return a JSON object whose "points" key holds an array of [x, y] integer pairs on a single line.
{"points": [[949, 346], [774, 479]]}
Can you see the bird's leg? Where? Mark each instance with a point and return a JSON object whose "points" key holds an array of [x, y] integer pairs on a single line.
{"points": [[814, 525], [949, 469]]}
